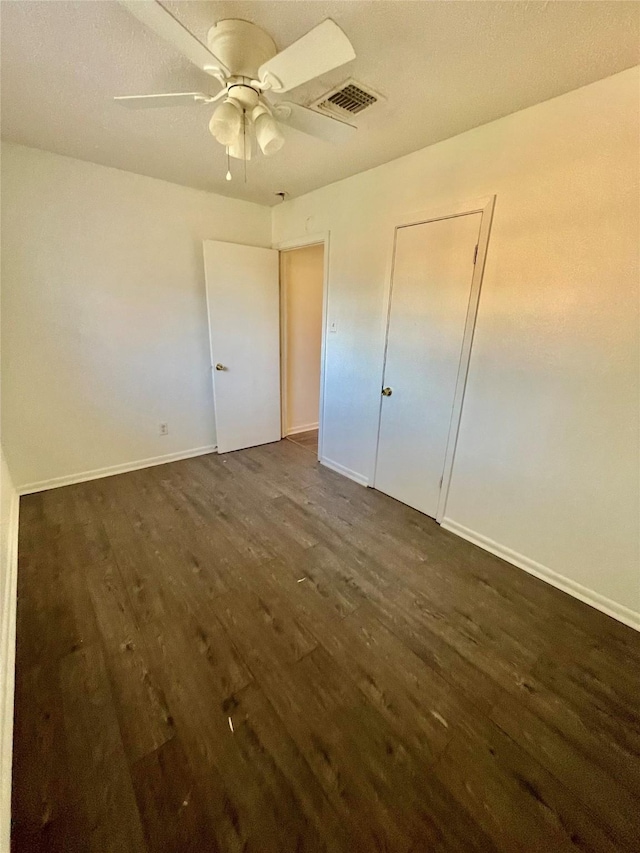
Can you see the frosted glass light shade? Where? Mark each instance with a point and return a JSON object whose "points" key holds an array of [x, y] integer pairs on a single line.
{"points": [[268, 134], [226, 122], [241, 147]]}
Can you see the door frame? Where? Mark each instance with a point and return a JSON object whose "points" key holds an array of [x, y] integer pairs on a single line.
{"points": [[318, 238], [484, 206]]}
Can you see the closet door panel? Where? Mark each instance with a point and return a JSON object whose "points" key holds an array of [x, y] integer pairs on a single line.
{"points": [[431, 286]]}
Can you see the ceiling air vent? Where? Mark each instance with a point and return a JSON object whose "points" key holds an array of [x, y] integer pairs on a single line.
{"points": [[349, 97]]}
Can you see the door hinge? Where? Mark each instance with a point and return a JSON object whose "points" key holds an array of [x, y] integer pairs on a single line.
{"points": [[475, 255]]}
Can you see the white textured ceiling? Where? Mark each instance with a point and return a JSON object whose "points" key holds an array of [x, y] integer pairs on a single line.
{"points": [[443, 67]]}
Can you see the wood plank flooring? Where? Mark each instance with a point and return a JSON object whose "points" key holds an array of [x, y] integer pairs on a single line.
{"points": [[249, 652], [308, 439]]}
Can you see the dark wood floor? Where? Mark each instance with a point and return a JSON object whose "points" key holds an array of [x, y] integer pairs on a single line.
{"points": [[308, 439], [251, 653]]}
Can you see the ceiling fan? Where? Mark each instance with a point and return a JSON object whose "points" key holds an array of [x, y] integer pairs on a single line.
{"points": [[244, 59]]}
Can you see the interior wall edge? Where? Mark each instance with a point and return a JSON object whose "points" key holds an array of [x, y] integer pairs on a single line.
{"points": [[606, 605], [10, 143], [111, 470], [7, 671]]}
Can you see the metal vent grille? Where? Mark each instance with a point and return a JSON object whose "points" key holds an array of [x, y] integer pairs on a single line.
{"points": [[350, 98]]}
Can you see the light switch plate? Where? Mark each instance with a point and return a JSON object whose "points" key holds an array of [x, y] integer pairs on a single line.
{"points": [[333, 327]]}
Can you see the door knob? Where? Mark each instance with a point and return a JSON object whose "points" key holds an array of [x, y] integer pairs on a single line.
{"points": [[387, 392], [220, 367]]}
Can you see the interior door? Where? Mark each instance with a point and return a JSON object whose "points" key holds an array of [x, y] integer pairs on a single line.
{"points": [[430, 291], [243, 303]]}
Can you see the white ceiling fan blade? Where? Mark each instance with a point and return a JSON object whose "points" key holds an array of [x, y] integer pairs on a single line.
{"points": [[322, 49], [162, 22], [313, 123], [173, 99]]}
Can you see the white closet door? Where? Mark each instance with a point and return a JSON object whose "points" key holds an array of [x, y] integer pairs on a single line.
{"points": [[432, 274], [243, 301]]}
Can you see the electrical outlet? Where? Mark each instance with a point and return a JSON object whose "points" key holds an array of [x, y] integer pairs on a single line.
{"points": [[164, 429]]}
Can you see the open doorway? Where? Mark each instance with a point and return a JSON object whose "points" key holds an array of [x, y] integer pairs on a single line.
{"points": [[301, 289]]}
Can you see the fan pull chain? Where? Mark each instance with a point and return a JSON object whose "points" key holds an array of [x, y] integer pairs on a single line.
{"points": [[228, 175]]}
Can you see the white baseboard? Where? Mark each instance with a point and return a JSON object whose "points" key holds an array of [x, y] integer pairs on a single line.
{"points": [[600, 602], [346, 472], [7, 670], [304, 428], [98, 473]]}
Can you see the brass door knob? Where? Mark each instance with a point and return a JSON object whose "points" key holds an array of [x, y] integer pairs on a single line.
{"points": [[387, 392], [220, 367]]}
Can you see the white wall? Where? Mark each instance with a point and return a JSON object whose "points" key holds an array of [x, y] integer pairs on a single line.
{"points": [[302, 274], [104, 317], [547, 457]]}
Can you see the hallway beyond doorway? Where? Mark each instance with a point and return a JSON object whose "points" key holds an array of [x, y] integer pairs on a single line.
{"points": [[308, 439]]}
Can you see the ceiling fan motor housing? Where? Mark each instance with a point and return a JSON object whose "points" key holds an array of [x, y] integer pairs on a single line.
{"points": [[245, 96], [242, 46]]}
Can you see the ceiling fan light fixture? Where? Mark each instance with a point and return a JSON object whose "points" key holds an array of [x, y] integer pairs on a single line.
{"points": [[240, 148], [268, 133], [245, 60], [226, 122]]}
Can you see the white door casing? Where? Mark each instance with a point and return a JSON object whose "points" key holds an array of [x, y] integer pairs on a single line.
{"points": [[243, 306]]}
